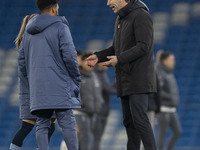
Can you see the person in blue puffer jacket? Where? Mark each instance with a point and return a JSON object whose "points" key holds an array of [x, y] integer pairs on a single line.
{"points": [[48, 58], [28, 120]]}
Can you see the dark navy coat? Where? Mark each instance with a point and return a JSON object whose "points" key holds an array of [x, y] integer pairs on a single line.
{"points": [[48, 58]]}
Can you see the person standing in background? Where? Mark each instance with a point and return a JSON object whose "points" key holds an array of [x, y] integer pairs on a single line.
{"points": [[79, 55], [48, 58], [84, 117], [168, 117], [132, 56], [28, 120], [153, 108], [102, 108]]}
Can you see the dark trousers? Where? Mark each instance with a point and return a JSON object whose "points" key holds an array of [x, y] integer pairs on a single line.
{"points": [[98, 130], [168, 120], [84, 123], [136, 122], [66, 121]]}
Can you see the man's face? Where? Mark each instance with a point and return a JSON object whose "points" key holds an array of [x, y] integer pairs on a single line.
{"points": [[116, 5]]}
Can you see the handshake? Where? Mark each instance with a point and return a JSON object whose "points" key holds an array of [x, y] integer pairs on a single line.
{"points": [[92, 60]]}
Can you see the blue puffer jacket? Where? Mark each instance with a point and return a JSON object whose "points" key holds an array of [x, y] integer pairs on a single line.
{"points": [[24, 98], [48, 58]]}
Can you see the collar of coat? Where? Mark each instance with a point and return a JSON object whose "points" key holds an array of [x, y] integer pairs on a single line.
{"points": [[165, 68], [85, 73], [132, 5]]}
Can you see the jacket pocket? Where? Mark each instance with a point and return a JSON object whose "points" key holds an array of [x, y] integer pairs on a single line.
{"points": [[76, 91], [131, 66]]}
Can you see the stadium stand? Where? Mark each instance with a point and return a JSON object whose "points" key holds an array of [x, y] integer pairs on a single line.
{"points": [[176, 29]]}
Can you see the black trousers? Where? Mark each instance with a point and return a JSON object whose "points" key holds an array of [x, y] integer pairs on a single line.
{"points": [[98, 130], [136, 122], [168, 120]]}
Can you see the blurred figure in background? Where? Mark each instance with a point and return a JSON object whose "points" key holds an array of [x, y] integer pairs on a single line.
{"points": [[168, 117], [63, 146], [102, 107], [79, 55], [84, 116], [28, 120], [153, 108], [154, 105]]}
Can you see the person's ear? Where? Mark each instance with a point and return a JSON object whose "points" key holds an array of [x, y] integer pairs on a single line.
{"points": [[53, 10]]}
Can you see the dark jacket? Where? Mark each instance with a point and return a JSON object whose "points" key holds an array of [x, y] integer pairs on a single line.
{"points": [[154, 99], [133, 46], [90, 92], [48, 58], [106, 89], [168, 87]]}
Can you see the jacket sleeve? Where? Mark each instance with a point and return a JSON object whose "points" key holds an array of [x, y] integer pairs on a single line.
{"points": [[69, 54], [162, 92], [143, 31], [21, 61], [157, 96], [102, 55]]}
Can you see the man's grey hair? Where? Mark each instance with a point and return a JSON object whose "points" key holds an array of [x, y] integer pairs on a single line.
{"points": [[127, 1]]}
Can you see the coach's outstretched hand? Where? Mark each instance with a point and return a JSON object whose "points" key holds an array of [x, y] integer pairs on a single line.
{"points": [[92, 60], [112, 61]]}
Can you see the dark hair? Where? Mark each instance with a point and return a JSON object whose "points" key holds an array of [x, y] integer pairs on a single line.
{"points": [[164, 55], [45, 4], [79, 53], [85, 55], [127, 1]]}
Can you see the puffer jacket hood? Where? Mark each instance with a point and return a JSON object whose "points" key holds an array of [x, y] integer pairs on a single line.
{"points": [[132, 5], [139, 4], [40, 22]]}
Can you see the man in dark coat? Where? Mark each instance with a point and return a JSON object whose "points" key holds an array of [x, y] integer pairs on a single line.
{"points": [[48, 58], [132, 56]]}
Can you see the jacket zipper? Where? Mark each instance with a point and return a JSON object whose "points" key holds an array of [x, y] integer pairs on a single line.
{"points": [[119, 32]]}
